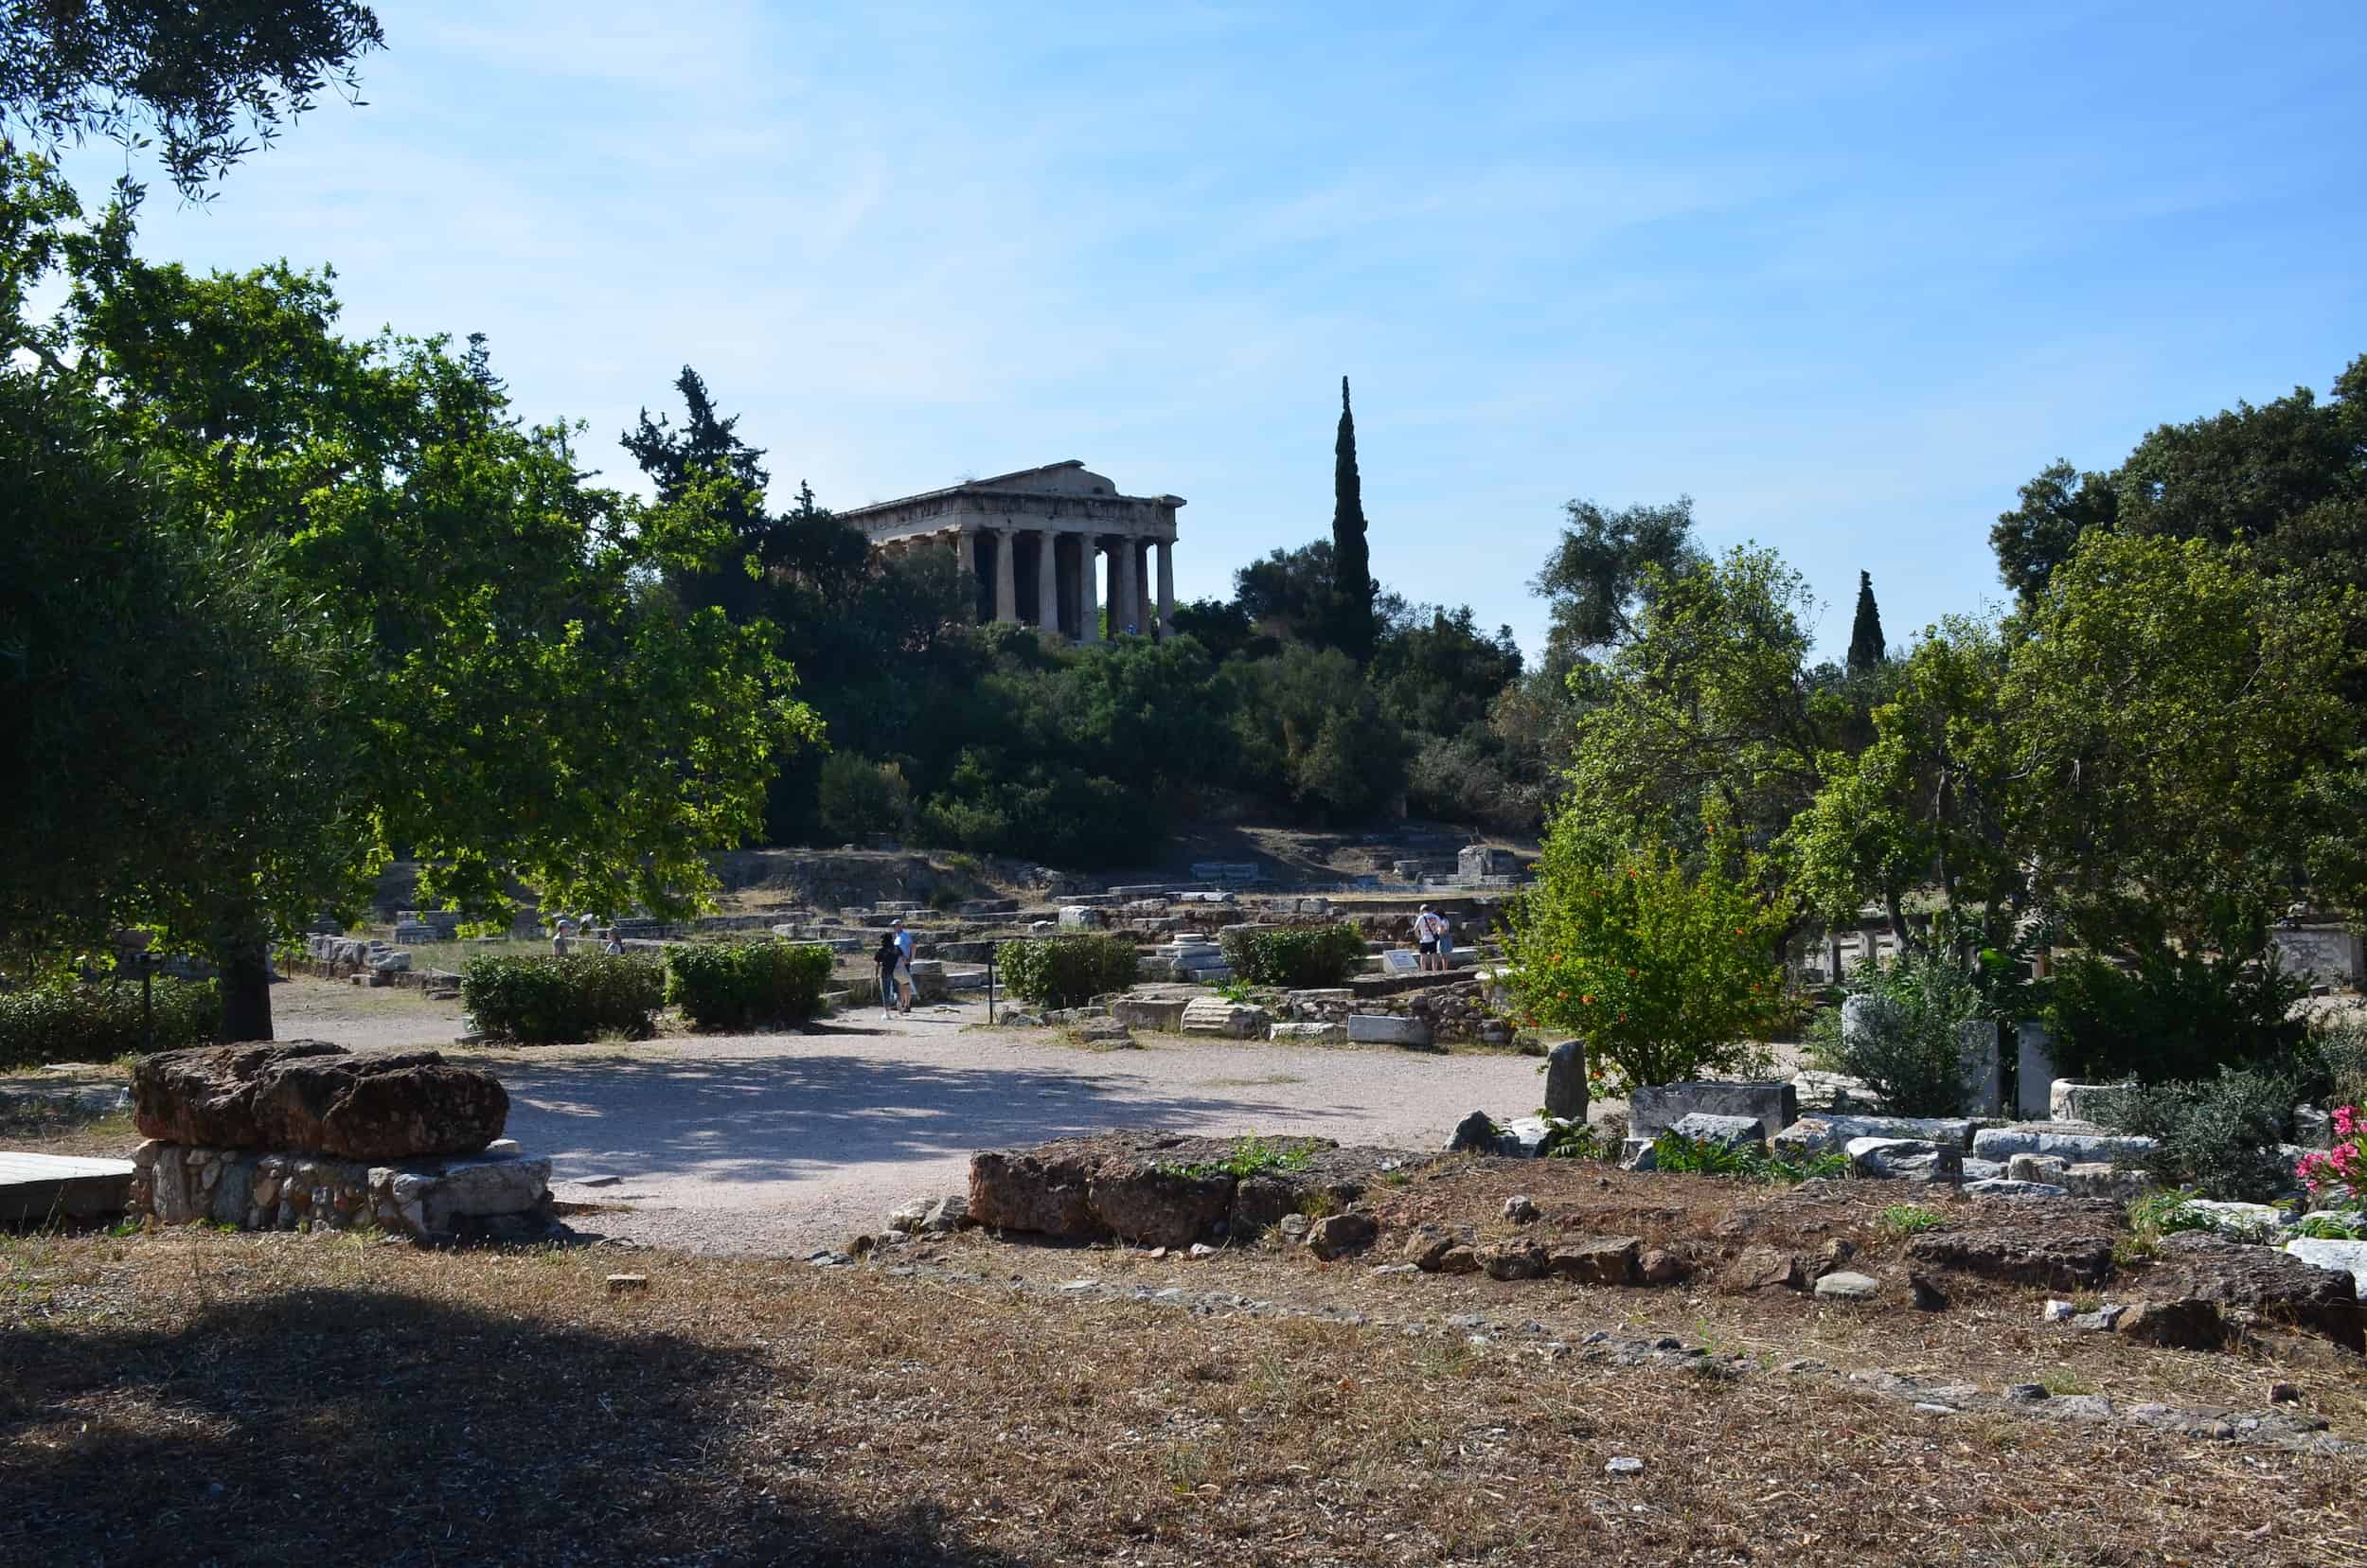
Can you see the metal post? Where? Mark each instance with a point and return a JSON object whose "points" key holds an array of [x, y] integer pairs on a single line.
{"points": [[989, 985]]}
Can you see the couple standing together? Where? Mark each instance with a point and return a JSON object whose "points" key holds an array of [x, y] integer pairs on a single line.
{"points": [[895, 960]]}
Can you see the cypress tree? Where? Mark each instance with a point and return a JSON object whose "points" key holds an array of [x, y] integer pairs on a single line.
{"points": [[1351, 560], [1866, 647]]}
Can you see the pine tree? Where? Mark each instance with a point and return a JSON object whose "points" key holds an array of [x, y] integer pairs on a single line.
{"points": [[1866, 647], [1352, 563]]}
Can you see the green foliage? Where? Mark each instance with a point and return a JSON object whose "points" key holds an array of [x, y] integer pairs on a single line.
{"points": [[859, 797], [1299, 957], [2333, 1059], [67, 1021], [1310, 733], [1903, 1220], [213, 82], [1665, 973], [735, 985], [1707, 715], [1906, 1044], [1249, 1157], [2345, 1226], [1866, 647], [2171, 1015], [1674, 1153], [1350, 622], [2216, 1136], [1606, 565], [1066, 971], [547, 999]]}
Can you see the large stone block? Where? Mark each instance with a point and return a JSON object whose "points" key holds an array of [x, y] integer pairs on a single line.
{"points": [[1702, 1126], [1387, 1029], [1824, 1134], [1214, 1015], [1308, 1034], [2070, 1102], [2003, 1143], [2329, 955], [2348, 1258], [1985, 1076], [1565, 1080], [2034, 1070], [1654, 1109], [1149, 1013], [206, 1097], [1905, 1159]]}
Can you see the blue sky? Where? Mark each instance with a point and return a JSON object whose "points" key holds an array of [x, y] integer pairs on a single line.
{"points": [[1845, 276]]}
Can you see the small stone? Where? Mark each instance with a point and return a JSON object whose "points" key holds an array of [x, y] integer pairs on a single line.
{"points": [[2102, 1321], [2026, 1393], [2283, 1393], [1846, 1286], [1462, 1258], [1660, 1267], [1929, 1297], [1080, 1284], [1336, 1233], [1926, 1408], [624, 1284], [1623, 1466], [1202, 1249], [1520, 1209], [2056, 1312], [1158, 1252], [1294, 1226]]}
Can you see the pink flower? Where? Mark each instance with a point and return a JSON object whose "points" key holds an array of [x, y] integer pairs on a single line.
{"points": [[2345, 1120]]}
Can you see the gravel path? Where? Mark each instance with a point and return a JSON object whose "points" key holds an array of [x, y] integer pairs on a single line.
{"points": [[782, 1143]]}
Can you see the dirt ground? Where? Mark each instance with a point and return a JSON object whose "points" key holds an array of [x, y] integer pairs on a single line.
{"points": [[196, 1397]]}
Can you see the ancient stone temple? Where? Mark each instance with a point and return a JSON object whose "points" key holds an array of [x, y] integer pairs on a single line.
{"points": [[1047, 547]]}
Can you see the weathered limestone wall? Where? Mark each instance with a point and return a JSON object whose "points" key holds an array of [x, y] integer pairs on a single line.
{"points": [[498, 1194]]}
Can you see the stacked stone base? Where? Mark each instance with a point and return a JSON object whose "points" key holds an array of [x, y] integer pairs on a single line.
{"points": [[496, 1195]]}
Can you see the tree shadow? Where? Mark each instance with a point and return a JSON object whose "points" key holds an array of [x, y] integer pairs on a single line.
{"points": [[362, 1425], [789, 1117]]}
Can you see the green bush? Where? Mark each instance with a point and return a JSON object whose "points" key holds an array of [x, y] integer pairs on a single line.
{"points": [[100, 1023], [1065, 972], [2217, 1136], [1665, 973], [1906, 1044], [563, 998], [735, 985], [2171, 1017], [1301, 957], [2334, 1060]]}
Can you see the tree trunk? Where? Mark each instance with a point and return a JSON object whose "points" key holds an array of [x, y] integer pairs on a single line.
{"points": [[245, 989]]}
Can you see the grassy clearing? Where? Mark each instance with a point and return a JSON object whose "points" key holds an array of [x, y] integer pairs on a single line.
{"points": [[194, 1397]]}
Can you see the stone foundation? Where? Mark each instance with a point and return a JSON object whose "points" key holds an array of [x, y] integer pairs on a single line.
{"points": [[498, 1194]]}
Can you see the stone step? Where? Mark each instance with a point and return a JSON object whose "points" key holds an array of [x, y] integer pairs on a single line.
{"points": [[37, 1187]]}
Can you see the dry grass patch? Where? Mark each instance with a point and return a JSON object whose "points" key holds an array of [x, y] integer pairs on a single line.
{"points": [[195, 1396]]}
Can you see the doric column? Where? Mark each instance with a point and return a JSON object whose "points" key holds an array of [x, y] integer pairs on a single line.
{"points": [[1005, 582], [1140, 550], [1167, 587], [966, 551], [1088, 590], [1125, 603], [1048, 581]]}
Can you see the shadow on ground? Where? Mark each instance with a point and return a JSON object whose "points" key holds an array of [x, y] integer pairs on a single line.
{"points": [[356, 1425], [786, 1118]]}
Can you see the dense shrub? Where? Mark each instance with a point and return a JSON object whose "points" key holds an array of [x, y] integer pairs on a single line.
{"points": [[1298, 956], [857, 798], [1666, 974], [2171, 1016], [2217, 1136], [554, 998], [2334, 1060], [1905, 1041], [99, 1022], [1065, 972], [735, 985]]}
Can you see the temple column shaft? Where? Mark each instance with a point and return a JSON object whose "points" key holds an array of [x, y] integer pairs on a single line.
{"points": [[1006, 579], [1167, 587], [1140, 550], [1124, 604], [1088, 590], [966, 552], [1048, 581]]}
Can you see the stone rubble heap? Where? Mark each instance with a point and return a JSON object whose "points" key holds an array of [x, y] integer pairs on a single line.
{"points": [[306, 1136]]}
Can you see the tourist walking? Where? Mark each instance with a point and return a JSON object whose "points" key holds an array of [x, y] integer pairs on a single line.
{"points": [[885, 957], [904, 961], [1425, 939]]}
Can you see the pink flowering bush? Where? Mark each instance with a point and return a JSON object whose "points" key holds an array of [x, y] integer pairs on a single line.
{"points": [[2334, 1177]]}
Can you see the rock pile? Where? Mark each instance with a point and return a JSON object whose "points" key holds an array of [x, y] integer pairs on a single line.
{"points": [[304, 1135]]}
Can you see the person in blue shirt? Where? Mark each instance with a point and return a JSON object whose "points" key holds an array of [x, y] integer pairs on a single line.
{"points": [[904, 962]]}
